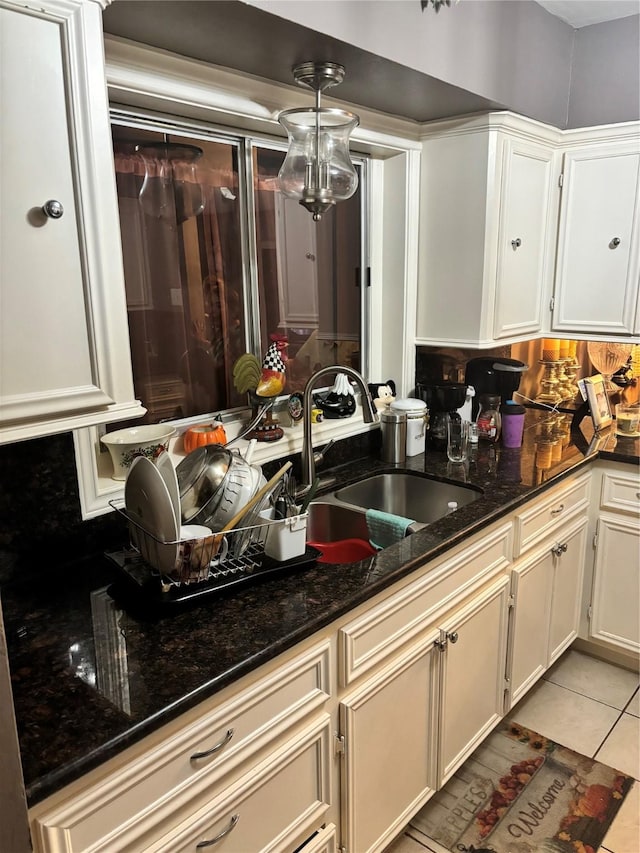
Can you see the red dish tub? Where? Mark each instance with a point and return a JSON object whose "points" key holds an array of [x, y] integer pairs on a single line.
{"points": [[344, 551]]}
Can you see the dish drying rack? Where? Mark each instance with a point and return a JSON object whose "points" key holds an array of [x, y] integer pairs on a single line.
{"points": [[199, 566]]}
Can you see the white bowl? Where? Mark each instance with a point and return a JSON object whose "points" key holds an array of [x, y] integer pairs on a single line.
{"points": [[125, 444]]}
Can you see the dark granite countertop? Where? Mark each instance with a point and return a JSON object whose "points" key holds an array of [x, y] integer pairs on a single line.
{"points": [[90, 678]]}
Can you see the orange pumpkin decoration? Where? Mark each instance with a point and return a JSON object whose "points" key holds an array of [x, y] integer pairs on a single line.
{"points": [[201, 434]]}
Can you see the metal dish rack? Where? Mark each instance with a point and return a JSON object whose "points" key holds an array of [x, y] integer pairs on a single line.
{"points": [[199, 566]]}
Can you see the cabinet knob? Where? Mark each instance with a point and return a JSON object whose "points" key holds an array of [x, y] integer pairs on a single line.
{"points": [[53, 209], [559, 549], [515, 244], [452, 636], [211, 841], [614, 243]]}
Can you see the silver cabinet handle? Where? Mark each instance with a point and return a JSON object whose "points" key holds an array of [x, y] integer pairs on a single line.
{"points": [[452, 637], [53, 209], [207, 752], [614, 243], [559, 549], [515, 244], [211, 841], [557, 511]]}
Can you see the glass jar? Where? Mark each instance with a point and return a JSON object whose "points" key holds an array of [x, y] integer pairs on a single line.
{"points": [[489, 421]]}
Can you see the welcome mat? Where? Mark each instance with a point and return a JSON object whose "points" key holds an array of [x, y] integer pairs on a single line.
{"points": [[522, 793]]}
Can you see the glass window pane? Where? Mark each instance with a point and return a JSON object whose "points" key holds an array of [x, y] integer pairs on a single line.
{"points": [[308, 275], [182, 245]]}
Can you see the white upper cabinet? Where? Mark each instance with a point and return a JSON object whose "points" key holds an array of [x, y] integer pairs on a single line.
{"points": [[64, 345], [487, 230], [598, 261]]}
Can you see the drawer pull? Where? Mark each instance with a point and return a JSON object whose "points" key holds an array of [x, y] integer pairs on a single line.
{"points": [[211, 841], [207, 752], [558, 550], [557, 511], [452, 636]]}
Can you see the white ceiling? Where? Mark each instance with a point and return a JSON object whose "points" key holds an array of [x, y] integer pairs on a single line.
{"points": [[583, 13]]}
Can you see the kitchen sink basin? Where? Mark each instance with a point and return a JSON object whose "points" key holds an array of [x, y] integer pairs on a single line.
{"points": [[414, 496], [330, 522], [340, 533]]}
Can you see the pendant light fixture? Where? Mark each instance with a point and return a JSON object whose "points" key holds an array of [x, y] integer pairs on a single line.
{"points": [[317, 169]]}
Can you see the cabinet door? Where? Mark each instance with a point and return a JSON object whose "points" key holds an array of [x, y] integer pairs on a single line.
{"points": [[598, 260], [64, 347], [569, 554], [532, 583], [473, 649], [525, 238], [615, 616], [387, 771]]}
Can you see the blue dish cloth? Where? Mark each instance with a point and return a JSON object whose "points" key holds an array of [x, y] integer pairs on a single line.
{"points": [[385, 528]]}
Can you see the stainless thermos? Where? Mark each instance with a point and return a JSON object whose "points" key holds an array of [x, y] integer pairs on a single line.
{"points": [[393, 426]]}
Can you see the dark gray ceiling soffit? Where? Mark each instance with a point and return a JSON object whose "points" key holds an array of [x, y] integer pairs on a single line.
{"points": [[238, 36]]}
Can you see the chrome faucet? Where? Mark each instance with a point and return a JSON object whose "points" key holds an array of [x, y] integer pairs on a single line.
{"points": [[309, 458]]}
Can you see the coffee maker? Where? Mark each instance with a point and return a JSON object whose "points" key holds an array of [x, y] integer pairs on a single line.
{"points": [[443, 399], [491, 375]]}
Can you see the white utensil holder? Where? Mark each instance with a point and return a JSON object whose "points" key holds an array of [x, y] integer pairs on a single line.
{"points": [[285, 538]]}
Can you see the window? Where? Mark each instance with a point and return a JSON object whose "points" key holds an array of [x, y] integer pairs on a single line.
{"points": [[213, 268]]}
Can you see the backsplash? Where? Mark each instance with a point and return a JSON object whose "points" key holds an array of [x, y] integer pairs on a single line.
{"points": [[40, 519]]}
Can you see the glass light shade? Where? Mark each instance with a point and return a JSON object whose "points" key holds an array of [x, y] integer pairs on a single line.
{"points": [[318, 169], [171, 190]]}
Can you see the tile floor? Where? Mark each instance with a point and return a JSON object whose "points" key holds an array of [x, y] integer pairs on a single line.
{"points": [[592, 707]]}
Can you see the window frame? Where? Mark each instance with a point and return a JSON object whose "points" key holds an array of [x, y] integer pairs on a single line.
{"points": [[161, 84]]}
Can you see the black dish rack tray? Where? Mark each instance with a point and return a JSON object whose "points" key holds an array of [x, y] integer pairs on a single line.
{"points": [[245, 563], [145, 585]]}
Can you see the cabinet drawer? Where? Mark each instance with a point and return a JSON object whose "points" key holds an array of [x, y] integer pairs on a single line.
{"points": [[368, 640], [621, 492], [324, 841], [274, 807], [541, 517], [184, 758]]}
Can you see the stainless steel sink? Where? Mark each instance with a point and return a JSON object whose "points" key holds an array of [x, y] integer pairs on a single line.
{"points": [[414, 496], [330, 522]]}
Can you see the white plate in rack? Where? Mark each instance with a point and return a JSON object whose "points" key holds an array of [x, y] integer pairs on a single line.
{"points": [[147, 499], [165, 466]]}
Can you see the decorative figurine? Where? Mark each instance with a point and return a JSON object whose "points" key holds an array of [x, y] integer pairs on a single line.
{"points": [[339, 401], [263, 383], [383, 395]]}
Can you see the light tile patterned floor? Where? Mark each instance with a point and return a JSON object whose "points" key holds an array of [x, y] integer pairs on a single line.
{"points": [[592, 707]]}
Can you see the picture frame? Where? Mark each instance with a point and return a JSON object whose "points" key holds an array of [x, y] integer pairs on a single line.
{"points": [[598, 401]]}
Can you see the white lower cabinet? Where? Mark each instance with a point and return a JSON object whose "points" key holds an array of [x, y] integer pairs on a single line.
{"points": [[614, 601], [273, 807], [473, 645], [425, 707], [546, 591], [388, 736], [615, 607]]}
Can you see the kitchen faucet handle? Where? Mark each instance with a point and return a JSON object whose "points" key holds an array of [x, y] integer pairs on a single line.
{"points": [[318, 455]]}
